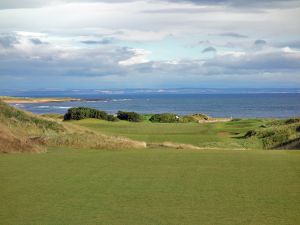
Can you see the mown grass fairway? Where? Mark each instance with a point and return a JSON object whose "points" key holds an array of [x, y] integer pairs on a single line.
{"points": [[215, 135], [159, 187]]}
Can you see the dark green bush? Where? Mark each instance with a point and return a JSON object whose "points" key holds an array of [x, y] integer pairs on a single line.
{"points": [[250, 133], [83, 113], [129, 116], [164, 118], [112, 118], [292, 120]]}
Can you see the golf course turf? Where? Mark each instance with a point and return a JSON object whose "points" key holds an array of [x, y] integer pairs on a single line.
{"points": [[210, 135], [150, 186], [228, 180]]}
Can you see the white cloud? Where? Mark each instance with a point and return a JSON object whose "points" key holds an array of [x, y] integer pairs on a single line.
{"points": [[138, 38], [139, 56], [232, 53]]}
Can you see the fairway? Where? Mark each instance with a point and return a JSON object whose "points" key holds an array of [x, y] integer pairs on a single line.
{"points": [[209, 135], [159, 187]]}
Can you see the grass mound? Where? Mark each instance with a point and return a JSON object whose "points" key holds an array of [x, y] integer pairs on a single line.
{"points": [[10, 142], [277, 133], [21, 131], [24, 132], [173, 118]]}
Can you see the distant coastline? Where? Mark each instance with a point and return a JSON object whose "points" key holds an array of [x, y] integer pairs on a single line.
{"points": [[21, 100]]}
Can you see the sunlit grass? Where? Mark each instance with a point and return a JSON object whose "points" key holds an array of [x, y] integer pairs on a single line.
{"points": [[219, 135], [148, 187]]}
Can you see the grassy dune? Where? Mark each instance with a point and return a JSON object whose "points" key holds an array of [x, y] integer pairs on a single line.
{"points": [[151, 187], [22, 131]]}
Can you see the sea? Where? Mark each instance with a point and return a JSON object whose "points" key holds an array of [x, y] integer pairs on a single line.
{"points": [[235, 103]]}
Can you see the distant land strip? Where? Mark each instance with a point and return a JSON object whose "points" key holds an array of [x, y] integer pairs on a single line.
{"points": [[16, 100]]}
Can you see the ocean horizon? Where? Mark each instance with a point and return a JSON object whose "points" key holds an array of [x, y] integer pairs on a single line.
{"points": [[236, 103]]}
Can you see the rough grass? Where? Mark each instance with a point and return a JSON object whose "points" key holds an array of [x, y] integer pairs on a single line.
{"points": [[277, 133], [21, 131], [151, 187], [10, 142]]}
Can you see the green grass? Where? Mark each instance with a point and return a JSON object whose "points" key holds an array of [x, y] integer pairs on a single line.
{"points": [[145, 186], [151, 187], [219, 135]]}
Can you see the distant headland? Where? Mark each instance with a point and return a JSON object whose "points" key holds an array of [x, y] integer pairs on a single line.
{"points": [[20, 100]]}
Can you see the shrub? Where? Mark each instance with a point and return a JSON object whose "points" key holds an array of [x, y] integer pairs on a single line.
{"points": [[200, 116], [112, 118], [187, 119], [275, 122], [292, 120], [250, 133], [83, 112], [165, 118], [129, 116]]}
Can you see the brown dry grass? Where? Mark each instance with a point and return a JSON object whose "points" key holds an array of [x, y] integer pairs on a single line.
{"points": [[174, 145], [11, 143]]}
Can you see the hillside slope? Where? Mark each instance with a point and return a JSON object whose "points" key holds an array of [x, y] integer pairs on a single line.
{"points": [[22, 131], [278, 134]]}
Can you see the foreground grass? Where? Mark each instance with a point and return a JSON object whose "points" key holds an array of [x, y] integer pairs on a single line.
{"points": [[212, 135], [150, 187]]}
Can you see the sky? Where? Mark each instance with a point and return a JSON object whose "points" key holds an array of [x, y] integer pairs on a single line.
{"points": [[67, 44]]}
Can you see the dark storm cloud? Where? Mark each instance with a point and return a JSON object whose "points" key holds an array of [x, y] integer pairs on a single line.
{"points": [[260, 42], [180, 10], [36, 41], [14, 4], [93, 42], [243, 3], [17, 4], [8, 40], [234, 35], [209, 49]]}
